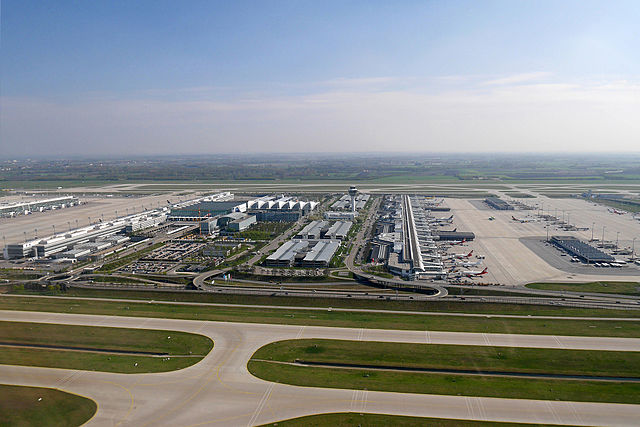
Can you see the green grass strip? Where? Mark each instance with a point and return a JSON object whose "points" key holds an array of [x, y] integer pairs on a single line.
{"points": [[604, 328], [36, 406], [461, 385], [621, 288], [444, 356], [87, 347]]}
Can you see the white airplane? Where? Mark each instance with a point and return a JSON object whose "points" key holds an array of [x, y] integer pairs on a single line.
{"points": [[473, 273], [616, 211], [459, 256], [523, 220], [468, 264], [457, 242]]}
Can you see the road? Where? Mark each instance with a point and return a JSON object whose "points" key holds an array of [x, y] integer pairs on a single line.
{"points": [[220, 391]]}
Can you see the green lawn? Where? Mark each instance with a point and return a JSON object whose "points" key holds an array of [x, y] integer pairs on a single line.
{"points": [[440, 356], [22, 406], [461, 385], [488, 324], [622, 288], [86, 347], [347, 419]]}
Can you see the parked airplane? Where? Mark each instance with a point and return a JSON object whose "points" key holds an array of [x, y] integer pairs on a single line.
{"points": [[468, 264], [616, 211], [463, 255], [472, 273], [457, 242], [523, 220]]}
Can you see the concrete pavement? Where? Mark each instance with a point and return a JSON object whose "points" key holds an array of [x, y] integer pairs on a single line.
{"points": [[220, 391]]}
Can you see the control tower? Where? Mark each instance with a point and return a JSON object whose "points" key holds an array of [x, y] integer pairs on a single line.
{"points": [[352, 192]]}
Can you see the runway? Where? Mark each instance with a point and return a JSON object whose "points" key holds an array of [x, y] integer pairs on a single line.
{"points": [[220, 391]]}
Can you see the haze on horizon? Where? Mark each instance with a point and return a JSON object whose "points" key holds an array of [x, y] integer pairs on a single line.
{"points": [[159, 77]]}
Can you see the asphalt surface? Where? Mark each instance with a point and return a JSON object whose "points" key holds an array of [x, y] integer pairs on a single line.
{"points": [[220, 391]]}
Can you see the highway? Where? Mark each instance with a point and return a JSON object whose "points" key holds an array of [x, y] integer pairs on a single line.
{"points": [[220, 391]]}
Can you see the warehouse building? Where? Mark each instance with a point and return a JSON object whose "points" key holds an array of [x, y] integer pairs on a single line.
{"points": [[346, 215], [314, 230], [285, 255], [339, 230], [303, 253]]}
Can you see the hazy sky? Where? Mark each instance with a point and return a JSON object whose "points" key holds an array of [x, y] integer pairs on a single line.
{"points": [[162, 77]]}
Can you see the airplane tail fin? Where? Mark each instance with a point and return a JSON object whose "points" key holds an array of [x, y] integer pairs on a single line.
{"points": [[470, 253], [484, 271], [455, 229]]}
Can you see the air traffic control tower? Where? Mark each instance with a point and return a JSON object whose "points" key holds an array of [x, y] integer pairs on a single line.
{"points": [[352, 192]]}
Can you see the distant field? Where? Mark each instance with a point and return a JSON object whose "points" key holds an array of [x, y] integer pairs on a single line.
{"points": [[498, 369], [38, 406], [351, 419], [623, 288], [99, 348]]}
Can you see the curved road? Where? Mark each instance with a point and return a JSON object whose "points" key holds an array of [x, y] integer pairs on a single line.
{"points": [[220, 391]]}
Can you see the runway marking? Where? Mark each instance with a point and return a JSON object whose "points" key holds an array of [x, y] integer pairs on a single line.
{"points": [[485, 337], [130, 403], [360, 334], [261, 403], [557, 340], [300, 332], [555, 416], [364, 401], [576, 413], [428, 337], [470, 408]]}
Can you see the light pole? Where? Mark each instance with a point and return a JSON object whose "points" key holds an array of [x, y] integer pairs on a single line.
{"points": [[617, 235], [69, 224], [603, 227], [633, 249], [592, 227], [547, 227], [54, 230]]}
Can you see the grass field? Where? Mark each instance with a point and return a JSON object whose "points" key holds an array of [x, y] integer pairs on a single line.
{"points": [[22, 406], [348, 419], [429, 306], [622, 288], [96, 348], [488, 324], [503, 359], [443, 356]]}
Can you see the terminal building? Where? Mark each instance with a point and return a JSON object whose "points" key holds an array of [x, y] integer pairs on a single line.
{"points": [[498, 204], [26, 207], [581, 250], [98, 235]]}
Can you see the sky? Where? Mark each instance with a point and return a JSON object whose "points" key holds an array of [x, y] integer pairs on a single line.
{"points": [[204, 77]]}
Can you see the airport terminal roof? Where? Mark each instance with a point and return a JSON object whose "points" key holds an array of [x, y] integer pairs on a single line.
{"points": [[322, 251], [288, 250]]}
